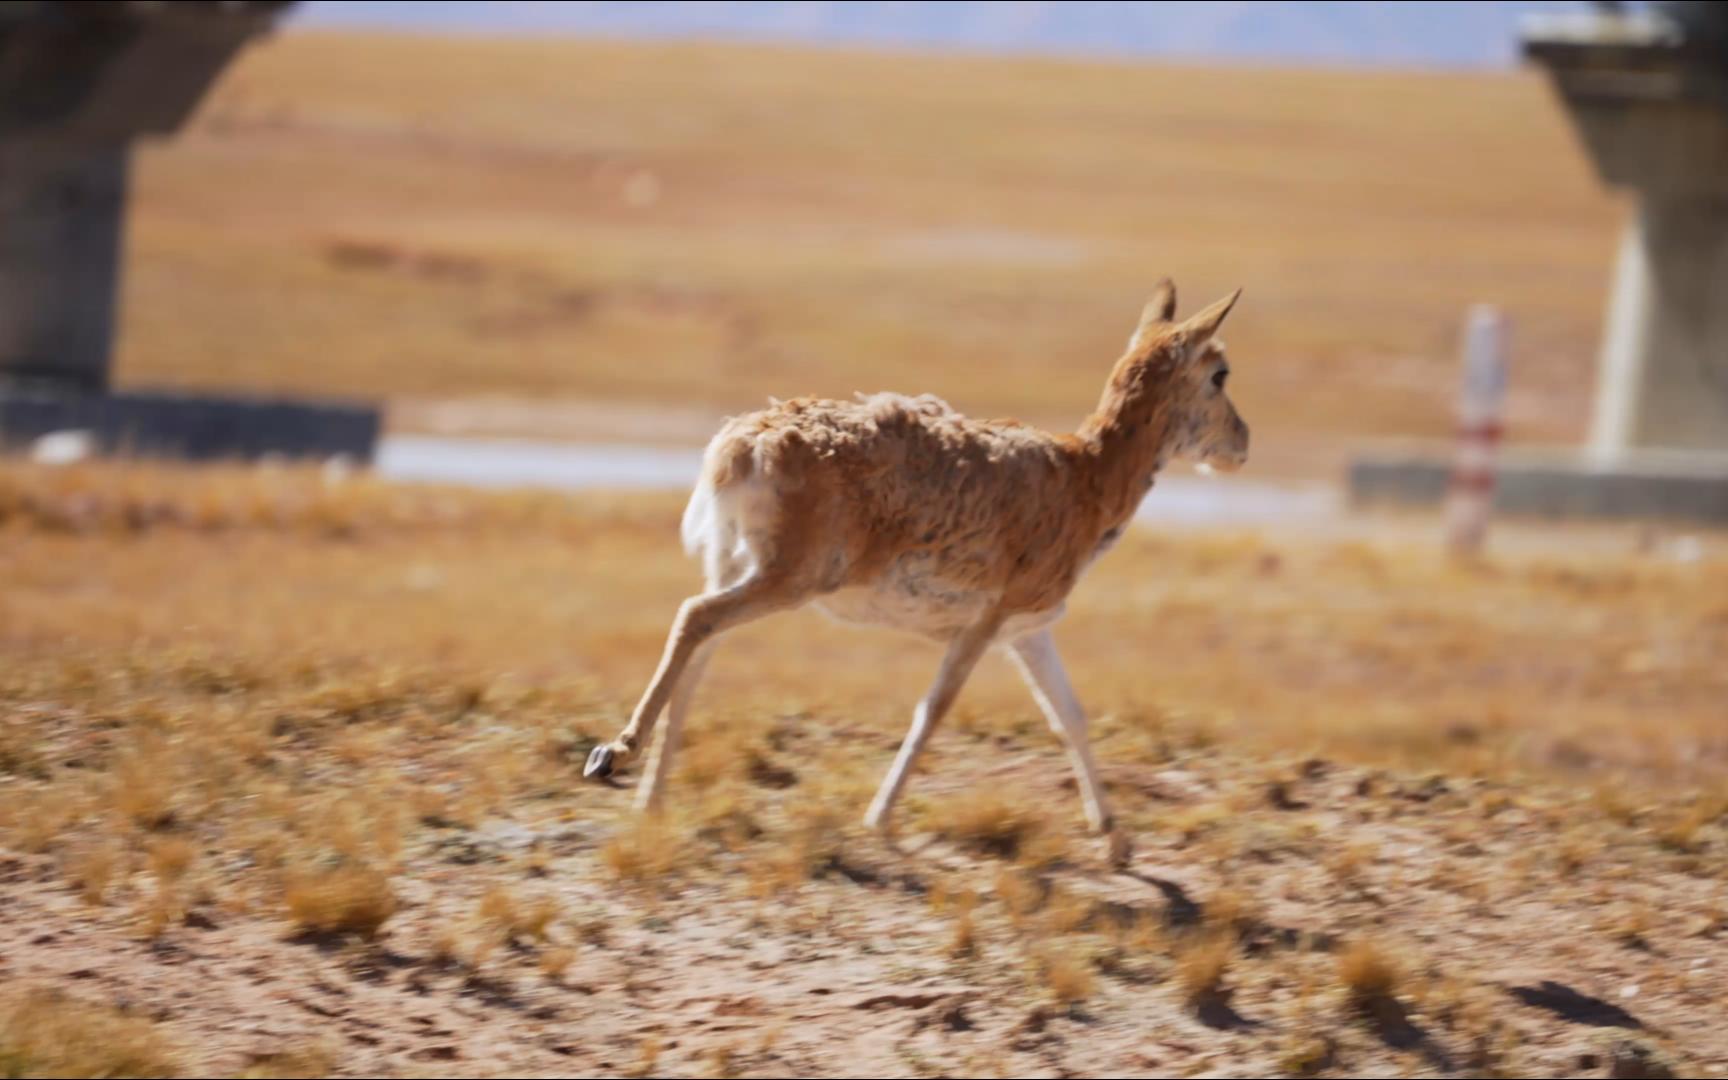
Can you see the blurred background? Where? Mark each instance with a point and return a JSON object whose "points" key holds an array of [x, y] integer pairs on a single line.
{"points": [[614, 223], [284, 285], [617, 222]]}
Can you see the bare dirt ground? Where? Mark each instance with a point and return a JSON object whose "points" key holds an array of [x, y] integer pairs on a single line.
{"points": [[288, 786]]}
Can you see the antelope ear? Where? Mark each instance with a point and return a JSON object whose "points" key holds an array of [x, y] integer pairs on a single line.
{"points": [[1200, 328], [1162, 306], [1157, 313]]}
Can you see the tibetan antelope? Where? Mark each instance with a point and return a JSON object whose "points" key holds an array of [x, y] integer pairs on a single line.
{"points": [[901, 512]]}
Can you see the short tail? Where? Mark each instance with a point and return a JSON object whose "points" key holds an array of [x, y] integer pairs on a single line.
{"points": [[730, 459], [698, 524]]}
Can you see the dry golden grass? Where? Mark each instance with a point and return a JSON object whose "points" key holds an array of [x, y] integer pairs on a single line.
{"points": [[309, 1061], [45, 1033], [987, 822], [343, 900], [964, 943], [1575, 851], [648, 1056], [557, 960], [1068, 975], [324, 721], [1230, 911], [1019, 893], [1687, 830], [171, 857], [513, 917], [1202, 966], [93, 868], [459, 225], [1369, 973], [644, 851]]}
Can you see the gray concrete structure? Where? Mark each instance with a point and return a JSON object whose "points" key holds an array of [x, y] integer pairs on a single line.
{"points": [[78, 82], [1647, 91], [62, 207], [1651, 485], [1648, 94], [195, 426]]}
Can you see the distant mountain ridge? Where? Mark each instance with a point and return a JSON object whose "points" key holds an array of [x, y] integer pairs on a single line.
{"points": [[1422, 32]]}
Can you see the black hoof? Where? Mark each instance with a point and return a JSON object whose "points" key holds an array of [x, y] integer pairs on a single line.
{"points": [[599, 765]]}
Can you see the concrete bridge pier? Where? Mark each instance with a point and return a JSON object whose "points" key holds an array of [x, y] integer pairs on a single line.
{"points": [[1663, 379], [62, 210], [79, 82], [1647, 92]]}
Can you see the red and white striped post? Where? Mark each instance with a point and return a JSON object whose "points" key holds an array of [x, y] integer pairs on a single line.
{"points": [[1471, 496]]}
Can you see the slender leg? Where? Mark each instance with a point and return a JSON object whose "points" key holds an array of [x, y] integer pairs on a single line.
{"points": [[699, 619], [957, 664], [648, 792], [723, 571], [1041, 666]]}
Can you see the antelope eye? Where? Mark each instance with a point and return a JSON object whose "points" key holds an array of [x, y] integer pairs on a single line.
{"points": [[1219, 376]]}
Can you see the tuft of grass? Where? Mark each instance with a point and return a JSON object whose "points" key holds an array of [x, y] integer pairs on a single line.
{"points": [[1350, 863], [160, 912], [1630, 925], [1308, 1054], [647, 1057], [723, 1063], [1575, 851], [348, 899], [644, 850], [983, 821], [556, 961], [1201, 968], [1068, 974], [502, 912], [309, 1062], [94, 869], [1370, 975], [1230, 911], [1019, 892], [1613, 803], [1140, 935], [812, 843], [170, 858], [1065, 912], [963, 943], [39, 823], [444, 950], [1681, 832], [1192, 823], [143, 790], [46, 1033]]}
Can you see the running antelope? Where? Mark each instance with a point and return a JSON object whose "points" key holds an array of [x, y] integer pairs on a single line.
{"points": [[901, 512]]}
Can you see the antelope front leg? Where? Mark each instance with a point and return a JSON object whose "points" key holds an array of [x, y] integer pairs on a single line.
{"points": [[653, 783], [700, 619], [962, 655], [1041, 666]]}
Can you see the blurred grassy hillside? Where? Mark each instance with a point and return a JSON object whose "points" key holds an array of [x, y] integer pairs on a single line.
{"points": [[531, 229]]}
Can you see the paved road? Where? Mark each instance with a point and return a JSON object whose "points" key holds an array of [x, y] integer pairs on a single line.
{"points": [[1180, 498]]}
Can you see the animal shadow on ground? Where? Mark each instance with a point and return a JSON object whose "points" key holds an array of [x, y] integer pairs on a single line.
{"points": [[1180, 909], [1390, 1022], [1569, 1004], [1217, 1013]]}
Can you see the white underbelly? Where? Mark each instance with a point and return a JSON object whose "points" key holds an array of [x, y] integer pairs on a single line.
{"points": [[923, 612], [931, 612]]}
